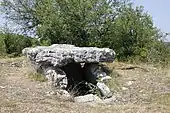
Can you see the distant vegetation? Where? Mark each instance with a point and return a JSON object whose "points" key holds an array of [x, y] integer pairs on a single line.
{"points": [[12, 44], [167, 44], [116, 24]]}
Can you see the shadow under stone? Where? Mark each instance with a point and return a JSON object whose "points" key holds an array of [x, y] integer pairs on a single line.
{"points": [[78, 83]]}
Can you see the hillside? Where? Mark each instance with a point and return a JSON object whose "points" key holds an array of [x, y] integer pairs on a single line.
{"points": [[138, 89]]}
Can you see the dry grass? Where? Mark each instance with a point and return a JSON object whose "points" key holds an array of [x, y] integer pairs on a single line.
{"points": [[138, 89], [37, 77]]}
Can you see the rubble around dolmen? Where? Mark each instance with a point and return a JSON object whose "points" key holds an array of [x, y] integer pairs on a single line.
{"points": [[74, 69]]}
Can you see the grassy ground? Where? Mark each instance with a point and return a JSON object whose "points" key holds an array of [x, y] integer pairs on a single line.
{"points": [[138, 89]]}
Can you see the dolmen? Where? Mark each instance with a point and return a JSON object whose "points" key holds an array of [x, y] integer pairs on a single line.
{"points": [[77, 70]]}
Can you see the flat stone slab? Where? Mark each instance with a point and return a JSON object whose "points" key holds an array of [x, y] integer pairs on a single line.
{"points": [[59, 55], [90, 98], [87, 98]]}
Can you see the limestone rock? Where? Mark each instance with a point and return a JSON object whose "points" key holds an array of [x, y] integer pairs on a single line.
{"points": [[90, 98], [87, 98], [56, 77], [110, 100], [105, 91], [105, 78], [94, 72], [2, 87], [59, 55]]}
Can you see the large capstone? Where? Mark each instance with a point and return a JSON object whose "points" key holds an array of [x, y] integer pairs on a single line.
{"points": [[72, 68], [60, 55]]}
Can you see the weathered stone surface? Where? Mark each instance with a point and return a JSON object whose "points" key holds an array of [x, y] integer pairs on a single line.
{"points": [[94, 74], [90, 98], [105, 91], [87, 98], [56, 77], [110, 100], [60, 55]]}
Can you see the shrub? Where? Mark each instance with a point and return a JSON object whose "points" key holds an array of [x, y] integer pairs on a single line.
{"points": [[13, 44], [2, 46]]}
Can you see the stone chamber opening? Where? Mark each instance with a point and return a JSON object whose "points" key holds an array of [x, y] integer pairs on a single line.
{"points": [[83, 78], [78, 81]]}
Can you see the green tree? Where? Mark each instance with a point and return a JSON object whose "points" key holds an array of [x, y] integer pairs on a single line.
{"points": [[134, 35], [78, 22]]}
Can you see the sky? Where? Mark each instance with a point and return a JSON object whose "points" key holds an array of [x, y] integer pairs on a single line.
{"points": [[158, 9]]}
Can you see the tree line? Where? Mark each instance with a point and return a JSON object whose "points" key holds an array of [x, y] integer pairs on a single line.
{"points": [[116, 24]]}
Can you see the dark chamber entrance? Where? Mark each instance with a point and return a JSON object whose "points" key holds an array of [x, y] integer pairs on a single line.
{"points": [[77, 82]]}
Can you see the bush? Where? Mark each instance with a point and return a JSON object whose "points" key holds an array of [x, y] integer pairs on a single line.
{"points": [[2, 46], [159, 53], [13, 44]]}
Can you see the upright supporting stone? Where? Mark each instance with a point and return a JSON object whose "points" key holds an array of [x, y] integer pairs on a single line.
{"points": [[105, 91], [56, 77], [95, 75], [91, 72]]}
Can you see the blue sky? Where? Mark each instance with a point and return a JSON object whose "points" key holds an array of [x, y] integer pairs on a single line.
{"points": [[158, 9]]}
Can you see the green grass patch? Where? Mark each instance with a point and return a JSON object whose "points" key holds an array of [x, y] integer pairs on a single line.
{"points": [[37, 77]]}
